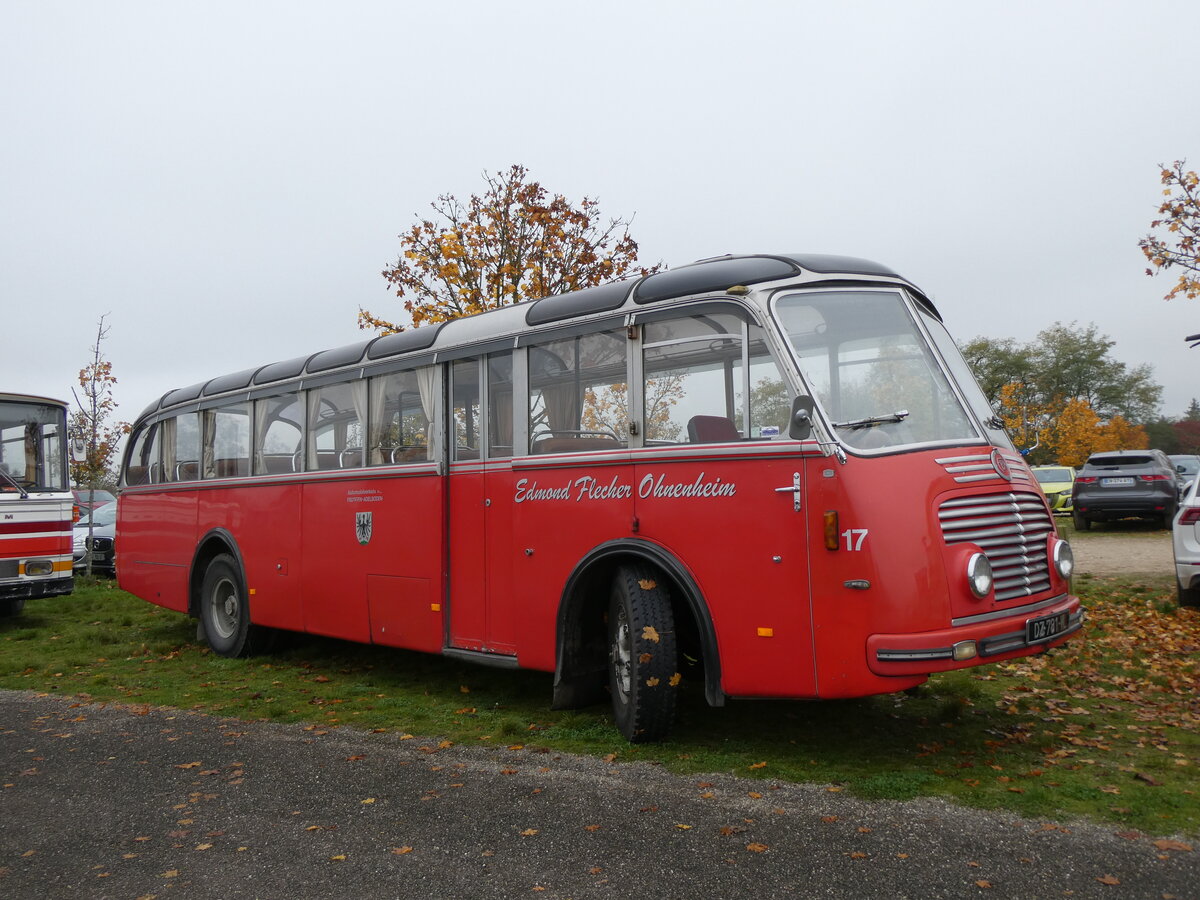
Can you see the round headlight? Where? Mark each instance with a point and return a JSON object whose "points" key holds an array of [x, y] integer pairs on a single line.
{"points": [[1064, 559], [979, 575]]}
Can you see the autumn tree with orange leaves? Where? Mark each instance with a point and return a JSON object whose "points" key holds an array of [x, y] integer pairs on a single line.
{"points": [[515, 242], [90, 425], [1179, 215]]}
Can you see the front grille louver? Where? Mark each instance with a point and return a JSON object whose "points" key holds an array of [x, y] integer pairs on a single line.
{"points": [[1011, 530]]}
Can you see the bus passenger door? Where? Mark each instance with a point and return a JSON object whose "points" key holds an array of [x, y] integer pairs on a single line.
{"points": [[479, 440]]}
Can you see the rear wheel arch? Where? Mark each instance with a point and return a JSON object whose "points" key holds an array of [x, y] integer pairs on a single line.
{"points": [[581, 635], [216, 542]]}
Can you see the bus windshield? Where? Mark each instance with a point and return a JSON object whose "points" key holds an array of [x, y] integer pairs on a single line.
{"points": [[32, 446], [872, 369]]}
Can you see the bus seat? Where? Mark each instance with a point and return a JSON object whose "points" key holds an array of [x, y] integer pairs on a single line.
{"points": [[410, 454], [576, 444], [711, 430], [187, 471], [278, 464], [232, 467]]}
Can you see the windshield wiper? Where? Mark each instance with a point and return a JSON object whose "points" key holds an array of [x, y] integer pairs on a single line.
{"points": [[14, 483], [871, 421]]}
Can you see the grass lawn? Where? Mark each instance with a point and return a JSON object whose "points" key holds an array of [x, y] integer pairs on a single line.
{"points": [[1107, 728]]}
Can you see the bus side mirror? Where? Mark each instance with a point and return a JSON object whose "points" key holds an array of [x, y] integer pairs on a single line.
{"points": [[78, 451], [800, 424]]}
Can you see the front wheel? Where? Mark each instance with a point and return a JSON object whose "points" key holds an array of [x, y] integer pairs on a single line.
{"points": [[224, 610], [643, 671], [11, 607]]}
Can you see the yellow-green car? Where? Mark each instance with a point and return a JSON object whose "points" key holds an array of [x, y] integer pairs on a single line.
{"points": [[1056, 483]]}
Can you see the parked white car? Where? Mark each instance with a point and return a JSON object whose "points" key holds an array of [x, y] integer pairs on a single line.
{"points": [[1186, 544]]}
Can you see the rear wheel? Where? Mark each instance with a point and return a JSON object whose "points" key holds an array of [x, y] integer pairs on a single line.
{"points": [[643, 662], [225, 612], [1168, 515], [1081, 522]]}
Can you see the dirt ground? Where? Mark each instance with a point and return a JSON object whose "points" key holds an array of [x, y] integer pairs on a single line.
{"points": [[1122, 548]]}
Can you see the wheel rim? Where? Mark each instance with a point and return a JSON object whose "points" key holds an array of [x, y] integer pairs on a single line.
{"points": [[622, 654], [225, 608]]}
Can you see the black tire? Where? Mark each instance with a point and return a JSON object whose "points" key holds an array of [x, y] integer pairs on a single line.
{"points": [[643, 663], [1082, 523], [1168, 516], [1187, 596], [11, 607], [225, 610]]}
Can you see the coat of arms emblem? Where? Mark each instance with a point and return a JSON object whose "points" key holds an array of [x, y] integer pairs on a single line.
{"points": [[362, 527]]}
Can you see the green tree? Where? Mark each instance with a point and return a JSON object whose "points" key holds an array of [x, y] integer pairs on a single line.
{"points": [[1062, 363], [513, 243], [1179, 218], [1071, 361], [997, 362]]}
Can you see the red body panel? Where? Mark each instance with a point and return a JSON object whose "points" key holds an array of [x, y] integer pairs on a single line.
{"points": [[366, 558]]}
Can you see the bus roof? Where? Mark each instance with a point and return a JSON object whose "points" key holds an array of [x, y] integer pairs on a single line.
{"points": [[707, 276], [31, 398]]}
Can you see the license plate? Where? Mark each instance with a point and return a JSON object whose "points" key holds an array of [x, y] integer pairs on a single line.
{"points": [[1116, 482], [1047, 627]]}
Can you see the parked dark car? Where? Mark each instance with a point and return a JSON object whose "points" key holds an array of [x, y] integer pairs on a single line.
{"points": [[1124, 484], [103, 521], [96, 498]]}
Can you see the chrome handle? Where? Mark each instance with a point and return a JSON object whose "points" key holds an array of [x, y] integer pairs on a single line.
{"points": [[794, 488]]}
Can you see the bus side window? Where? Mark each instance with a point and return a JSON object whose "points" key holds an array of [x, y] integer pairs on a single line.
{"points": [[336, 414], [700, 371], [226, 445], [578, 394], [181, 447], [693, 366], [402, 406], [142, 464], [500, 404], [464, 408], [279, 434]]}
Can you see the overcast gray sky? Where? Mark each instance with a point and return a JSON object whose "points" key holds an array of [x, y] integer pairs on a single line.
{"points": [[227, 179]]}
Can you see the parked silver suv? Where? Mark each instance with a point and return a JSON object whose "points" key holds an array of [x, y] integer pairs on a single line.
{"points": [[1124, 484]]}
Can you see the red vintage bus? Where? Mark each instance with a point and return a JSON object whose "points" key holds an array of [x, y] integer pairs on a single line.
{"points": [[36, 502], [772, 473]]}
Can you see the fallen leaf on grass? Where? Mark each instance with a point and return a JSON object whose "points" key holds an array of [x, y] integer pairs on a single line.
{"points": [[757, 848], [400, 851], [1109, 879]]}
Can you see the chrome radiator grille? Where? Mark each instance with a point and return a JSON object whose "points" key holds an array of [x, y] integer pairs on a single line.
{"points": [[1011, 529]]}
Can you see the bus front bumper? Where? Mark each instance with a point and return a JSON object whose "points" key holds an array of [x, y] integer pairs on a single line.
{"points": [[969, 645]]}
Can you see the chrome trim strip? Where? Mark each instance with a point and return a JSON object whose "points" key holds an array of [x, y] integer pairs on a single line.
{"points": [[1011, 611], [914, 655], [953, 460]]}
